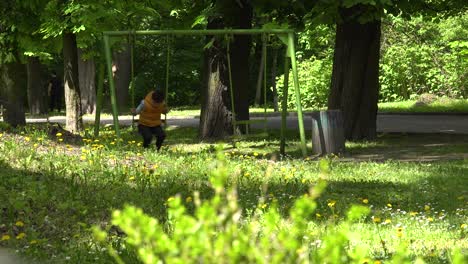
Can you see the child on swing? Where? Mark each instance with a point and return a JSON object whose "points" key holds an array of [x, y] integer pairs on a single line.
{"points": [[149, 124]]}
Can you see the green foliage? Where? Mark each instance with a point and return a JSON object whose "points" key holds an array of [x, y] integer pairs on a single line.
{"points": [[314, 79], [421, 56]]}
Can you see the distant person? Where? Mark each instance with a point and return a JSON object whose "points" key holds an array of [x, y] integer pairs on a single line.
{"points": [[55, 93], [149, 124]]}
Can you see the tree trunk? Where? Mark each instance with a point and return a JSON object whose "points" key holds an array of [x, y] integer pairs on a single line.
{"points": [[258, 92], [355, 77], [37, 87], [241, 17], [13, 80], [273, 79], [122, 62], [87, 76], [215, 118], [74, 122], [215, 121]]}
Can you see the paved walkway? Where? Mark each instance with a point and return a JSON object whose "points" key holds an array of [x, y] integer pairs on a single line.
{"points": [[454, 124]]}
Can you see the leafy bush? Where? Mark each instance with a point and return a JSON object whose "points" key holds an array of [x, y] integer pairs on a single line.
{"points": [[421, 56], [314, 79]]}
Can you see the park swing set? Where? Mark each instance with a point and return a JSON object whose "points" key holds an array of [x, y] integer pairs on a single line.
{"points": [[285, 35]]}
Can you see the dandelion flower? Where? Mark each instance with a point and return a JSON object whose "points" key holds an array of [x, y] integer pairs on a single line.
{"points": [[188, 199], [366, 201], [19, 223], [20, 235], [58, 134], [5, 237], [389, 205], [27, 139], [132, 178], [32, 242], [427, 207], [376, 219], [331, 203], [463, 226]]}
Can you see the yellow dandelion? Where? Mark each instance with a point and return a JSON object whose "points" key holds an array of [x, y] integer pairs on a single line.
{"points": [[377, 262], [188, 199], [112, 143], [427, 207], [389, 205], [1, 135], [35, 145], [60, 139], [430, 219], [388, 221], [413, 213], [318, 215], [96, 140], [21, 235], [32, 242], [27, 138], [366, 201], [132, 178], [58, 134], [19, 223], [463, 226], [331, 203], [6, 237], [376, 219], [247, 174], [263, 206], [170, 199], [304, 180], [255, 154]]}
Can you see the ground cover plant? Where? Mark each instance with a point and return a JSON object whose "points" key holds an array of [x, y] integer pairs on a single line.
{"points": [[75, 199]]}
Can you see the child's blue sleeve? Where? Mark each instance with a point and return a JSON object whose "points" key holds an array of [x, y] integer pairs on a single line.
{"points": [[140, 107]]}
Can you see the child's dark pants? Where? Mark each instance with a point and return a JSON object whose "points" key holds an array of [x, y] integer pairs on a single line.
{"points": [[147, 134]]}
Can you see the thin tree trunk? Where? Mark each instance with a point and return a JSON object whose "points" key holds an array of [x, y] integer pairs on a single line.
{"points": [[215, 118], [87, 76], [37, 87], [258, 93], [13, 80], [273, 79], [122, 61], [74, 122], [355, 77]]}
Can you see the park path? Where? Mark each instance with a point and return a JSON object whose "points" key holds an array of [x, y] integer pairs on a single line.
{"points": [[389, 123]]}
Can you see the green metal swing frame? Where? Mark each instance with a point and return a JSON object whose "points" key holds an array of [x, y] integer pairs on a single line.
{"points": [[285, 35]]}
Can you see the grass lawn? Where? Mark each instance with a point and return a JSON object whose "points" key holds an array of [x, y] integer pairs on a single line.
{"points": [[440, 106], [55, 188]]}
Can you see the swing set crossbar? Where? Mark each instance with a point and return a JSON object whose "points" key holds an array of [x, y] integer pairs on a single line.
{"points": [[200, 32], [285, 35]]}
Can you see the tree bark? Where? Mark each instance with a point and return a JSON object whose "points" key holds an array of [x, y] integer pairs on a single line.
{"points": [[355, 77], [37, 87], [74, 122], [87, 76], [241, 17], [215, 118], [13, 80], [122, 62]]}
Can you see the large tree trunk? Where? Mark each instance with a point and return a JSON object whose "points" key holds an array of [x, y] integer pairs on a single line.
{"points": [[215, 118], [122, 62], [87, 76], [215, 121], [241, 17], [74, 122], [355, 77], [13, 80], [37, 87]]}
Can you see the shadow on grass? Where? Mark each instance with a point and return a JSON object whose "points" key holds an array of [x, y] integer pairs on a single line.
{"points": [[73, 203]]}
